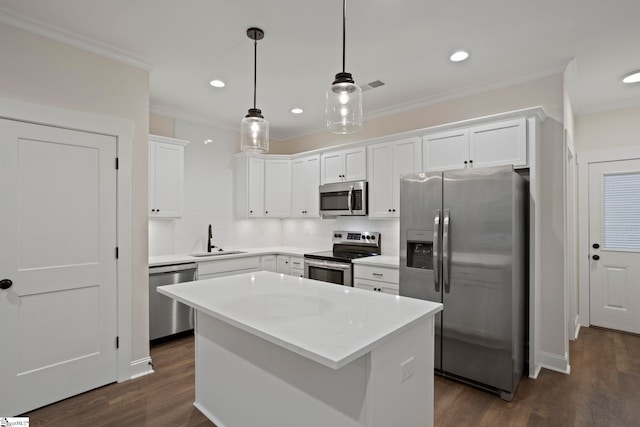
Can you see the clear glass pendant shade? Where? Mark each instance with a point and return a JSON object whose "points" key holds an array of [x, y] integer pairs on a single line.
{"points": [[344, 107], [254, 133]]}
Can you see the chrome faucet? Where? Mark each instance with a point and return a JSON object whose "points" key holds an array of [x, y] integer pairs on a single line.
{"points": [[209, 245]]}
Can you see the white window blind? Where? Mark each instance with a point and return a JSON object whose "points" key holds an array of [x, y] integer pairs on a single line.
{"points": [[622, 211]]}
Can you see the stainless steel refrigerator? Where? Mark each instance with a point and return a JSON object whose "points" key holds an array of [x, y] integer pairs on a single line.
{"points": [[463, 243]]}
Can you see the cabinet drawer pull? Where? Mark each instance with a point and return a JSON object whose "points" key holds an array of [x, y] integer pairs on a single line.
{"points": [[378, 274]]}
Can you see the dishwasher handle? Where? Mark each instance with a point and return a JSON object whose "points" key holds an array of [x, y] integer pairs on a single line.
{"points": [[161, 269]]}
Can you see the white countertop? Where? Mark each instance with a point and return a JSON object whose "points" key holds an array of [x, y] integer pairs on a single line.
{"points": [[330, 324], [379, 260], [280, 250]]}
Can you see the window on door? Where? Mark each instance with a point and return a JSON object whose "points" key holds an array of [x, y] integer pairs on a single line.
{"points": [[622, 211]]}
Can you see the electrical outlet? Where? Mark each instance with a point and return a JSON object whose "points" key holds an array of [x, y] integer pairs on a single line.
{"points": [[407, 369]]}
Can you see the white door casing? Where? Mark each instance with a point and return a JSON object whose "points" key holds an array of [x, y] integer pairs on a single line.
{"points": [[614, 244], [58, 222]]}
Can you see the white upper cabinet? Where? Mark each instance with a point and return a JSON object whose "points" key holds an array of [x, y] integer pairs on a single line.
{"points": [[492, 144], [387, 162], [255, 189], [249, 187], [499, 143], [446, 150], [305, 183], [277, 188], [262, 186], [166, 176], [343, 165]]}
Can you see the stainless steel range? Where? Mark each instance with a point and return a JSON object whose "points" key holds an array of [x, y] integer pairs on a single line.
{"points": [[335, 266]]}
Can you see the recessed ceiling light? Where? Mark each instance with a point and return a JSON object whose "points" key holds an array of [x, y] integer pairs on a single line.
{"points": [[297, 110], [632, 78], [208, 141], [217, 83], [458, 56]]}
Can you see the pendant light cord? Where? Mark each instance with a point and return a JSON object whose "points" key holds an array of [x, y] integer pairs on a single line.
{"points": [[344, 33], [255, 70]]}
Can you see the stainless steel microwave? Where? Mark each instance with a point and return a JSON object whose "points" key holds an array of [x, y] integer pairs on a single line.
{"points": [[344, 198]]}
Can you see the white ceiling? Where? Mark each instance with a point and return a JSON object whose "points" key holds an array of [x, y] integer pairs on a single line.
{"points": [[404, 43]]}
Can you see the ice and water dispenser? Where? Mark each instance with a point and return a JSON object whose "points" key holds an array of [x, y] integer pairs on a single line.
{"points": [[420, 249]]}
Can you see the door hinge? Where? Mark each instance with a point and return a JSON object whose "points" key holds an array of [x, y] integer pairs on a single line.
{"points": [[117, 252], [117, 342], [117, 163]]}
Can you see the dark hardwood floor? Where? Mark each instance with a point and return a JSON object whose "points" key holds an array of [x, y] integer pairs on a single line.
{"points": [[602, 390]]}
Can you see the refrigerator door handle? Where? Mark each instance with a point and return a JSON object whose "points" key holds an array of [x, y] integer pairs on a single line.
{"points": [[436, 250], [446, 257]]}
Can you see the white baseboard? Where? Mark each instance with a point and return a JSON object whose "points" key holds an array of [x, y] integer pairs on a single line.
{"points": [[533, 373], [554, 362], [577, 328], [141, 367]]}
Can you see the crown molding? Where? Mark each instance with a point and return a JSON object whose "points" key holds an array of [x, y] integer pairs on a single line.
{"points": [[555, 68], [66, 37]]}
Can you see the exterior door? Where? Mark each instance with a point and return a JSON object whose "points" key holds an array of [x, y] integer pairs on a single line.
{"points": [[58, 228], [614, 232]]}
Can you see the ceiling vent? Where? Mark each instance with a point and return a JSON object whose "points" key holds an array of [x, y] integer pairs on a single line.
{"points": [[372, 85]]}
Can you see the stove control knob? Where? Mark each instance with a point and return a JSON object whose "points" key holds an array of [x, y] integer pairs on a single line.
{"points": [[373, 237]]}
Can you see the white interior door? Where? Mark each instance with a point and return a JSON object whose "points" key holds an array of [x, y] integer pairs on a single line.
{"points": [[58, 227], [614, 232]]}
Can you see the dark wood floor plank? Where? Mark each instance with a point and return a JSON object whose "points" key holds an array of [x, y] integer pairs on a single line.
{"points": [[602, 390]]}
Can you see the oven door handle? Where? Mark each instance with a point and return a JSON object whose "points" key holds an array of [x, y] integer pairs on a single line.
{"points": [[328, 265]]}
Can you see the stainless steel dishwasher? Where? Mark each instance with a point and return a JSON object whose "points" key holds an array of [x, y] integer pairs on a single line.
{"points": [[166, 315]]}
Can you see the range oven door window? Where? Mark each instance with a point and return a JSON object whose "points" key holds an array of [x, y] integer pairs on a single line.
{"points": [[328, 271], [326, 275]]}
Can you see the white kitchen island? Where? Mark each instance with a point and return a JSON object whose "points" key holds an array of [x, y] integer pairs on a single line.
{"points": [[282, 351]]}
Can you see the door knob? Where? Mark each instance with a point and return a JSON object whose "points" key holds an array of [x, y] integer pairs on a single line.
{"points": [[596, 246], [596, 257], [5, 284]]}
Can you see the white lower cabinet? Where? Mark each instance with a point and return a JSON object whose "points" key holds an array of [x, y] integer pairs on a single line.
{"points": [[283, 264], [296, 266], [227, 267], [268, 263], [378, 279]]}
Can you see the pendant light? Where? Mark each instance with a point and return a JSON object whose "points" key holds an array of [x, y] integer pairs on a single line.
{"points": [[344, 97], [254, 128]]}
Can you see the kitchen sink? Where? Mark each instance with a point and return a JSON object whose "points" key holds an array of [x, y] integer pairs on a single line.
{"points": [[217, 253]]}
